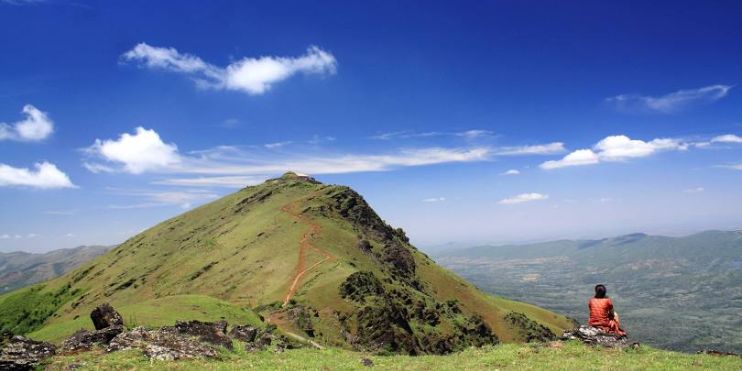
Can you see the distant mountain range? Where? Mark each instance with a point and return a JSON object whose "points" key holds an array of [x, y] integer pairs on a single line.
{"points": [[680, 293], [18, 269]]}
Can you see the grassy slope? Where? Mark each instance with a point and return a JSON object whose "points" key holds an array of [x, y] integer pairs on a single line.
{"points": [[159, 312], [245, 254], [569, 356]]}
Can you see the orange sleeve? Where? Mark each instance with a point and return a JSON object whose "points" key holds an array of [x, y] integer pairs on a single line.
{"points": [[610, 304]]}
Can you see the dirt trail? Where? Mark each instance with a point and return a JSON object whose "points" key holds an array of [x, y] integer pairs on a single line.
{"points": [[304, 246]]}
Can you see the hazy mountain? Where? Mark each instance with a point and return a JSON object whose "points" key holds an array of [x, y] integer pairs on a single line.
{"points": [[679, 293], [18, 269], [311, 258]]}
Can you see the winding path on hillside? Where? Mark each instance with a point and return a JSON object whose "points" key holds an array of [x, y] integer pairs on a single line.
{"points": [[305, 245]]}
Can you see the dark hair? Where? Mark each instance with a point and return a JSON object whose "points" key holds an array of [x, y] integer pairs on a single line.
{"points": [[600, 291]]}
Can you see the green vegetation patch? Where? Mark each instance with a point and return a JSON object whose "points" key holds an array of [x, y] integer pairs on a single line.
{"points": [[160, 312], [27, 309]]}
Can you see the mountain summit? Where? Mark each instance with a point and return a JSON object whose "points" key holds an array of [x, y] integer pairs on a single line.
{"points": [[313, 259]]}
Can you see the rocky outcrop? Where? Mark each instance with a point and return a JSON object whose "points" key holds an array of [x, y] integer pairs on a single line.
{"points": [[84, 340], [104, 316], [246, 334], [595, 336], [20, 353], [359, 285], [210, 332], [162, 344], [108, 324]]}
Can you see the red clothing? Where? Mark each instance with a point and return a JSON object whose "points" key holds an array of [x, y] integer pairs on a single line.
{"points": [[602, 316]]}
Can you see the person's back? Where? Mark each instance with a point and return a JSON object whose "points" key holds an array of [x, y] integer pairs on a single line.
{"points": [[600, 311], [602, 314]]}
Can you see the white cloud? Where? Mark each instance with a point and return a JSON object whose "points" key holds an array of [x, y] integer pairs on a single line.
{"points": [[407, 134], [511, 172], [523, 197], [434, 199], [616, 148], [671, 102], [277, 144], [45, 175], [476, 133], [539, 149], [727, 138], [253, 76], [694, 190], [144, 151], [215, 181], [139, 152], [733, 166], [576, 158], [35, 127], [61, 212], [4, 236], [184, 199], [621, 147]]}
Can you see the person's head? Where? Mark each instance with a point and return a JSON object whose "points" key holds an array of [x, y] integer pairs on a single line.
{"points": [[600, 291]]}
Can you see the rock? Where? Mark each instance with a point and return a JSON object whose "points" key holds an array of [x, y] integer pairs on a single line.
{"points": [[595, 336], [244, 333], [84, 340], [104, 316], [265, 340], [20, 353], [367, 362], [210, 332], [163, 344]]}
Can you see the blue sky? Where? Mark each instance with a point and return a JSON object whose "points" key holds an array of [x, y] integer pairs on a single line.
{"points": [[486, 121]]}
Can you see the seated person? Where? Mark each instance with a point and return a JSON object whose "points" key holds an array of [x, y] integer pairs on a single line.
{"points": [[602, 315]]}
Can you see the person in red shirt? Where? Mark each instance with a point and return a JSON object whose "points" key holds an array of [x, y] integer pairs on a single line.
{"points": [[602, 314]]}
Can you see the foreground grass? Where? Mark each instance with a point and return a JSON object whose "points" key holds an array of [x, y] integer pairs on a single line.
{"points": [[556, 356]]}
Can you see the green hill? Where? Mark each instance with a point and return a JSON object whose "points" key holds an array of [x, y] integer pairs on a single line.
{"points": [[312, 259], [681, 293]]}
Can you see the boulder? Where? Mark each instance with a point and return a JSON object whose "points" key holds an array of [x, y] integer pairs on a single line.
{"points": [[210, 332], [104, 316], [20, 353], [595, 336], [84, 340], [163, 344], [248, 334]]}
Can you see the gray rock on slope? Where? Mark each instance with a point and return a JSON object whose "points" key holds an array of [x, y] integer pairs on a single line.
{"points": [[21, 353], [595, 336]]}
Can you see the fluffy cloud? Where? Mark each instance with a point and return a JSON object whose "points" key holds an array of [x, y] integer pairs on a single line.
{"points": [[576, 158], [728, 138], [35, 127], [621, 147], [253, 76], [137, 153], [669, 103], [540, 149], [523, 197], [144, 151], [511, 172], [615, 148], [44, 175]]}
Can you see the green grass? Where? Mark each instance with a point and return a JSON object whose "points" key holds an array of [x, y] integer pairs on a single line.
{"points": [[567, 356], [159, 312]]}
